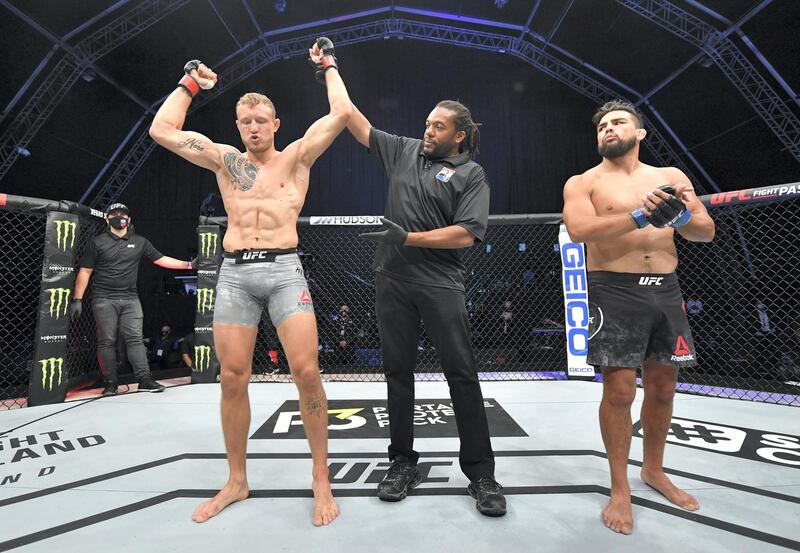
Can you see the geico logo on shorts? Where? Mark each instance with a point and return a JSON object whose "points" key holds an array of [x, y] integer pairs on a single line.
{"points": [[650, 281], [50, 366], [205, 299], [58, 301], [202, 357], [208, 244], [65, 234]]}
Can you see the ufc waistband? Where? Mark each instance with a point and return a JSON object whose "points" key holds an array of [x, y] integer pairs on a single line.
{"points": [[266, 255]]}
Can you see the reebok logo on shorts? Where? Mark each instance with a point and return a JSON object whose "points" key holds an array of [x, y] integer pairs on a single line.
{"points": [[682, 351], [305, 297]]}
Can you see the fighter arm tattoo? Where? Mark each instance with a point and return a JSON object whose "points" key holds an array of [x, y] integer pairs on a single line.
{"points": [[242, 171], [192, 144]]}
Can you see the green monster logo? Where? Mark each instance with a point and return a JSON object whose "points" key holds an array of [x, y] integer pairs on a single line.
{"points": [[202, 357], [62, 295], [208, 244], [65, 234], [205, 299], [49, 368]]}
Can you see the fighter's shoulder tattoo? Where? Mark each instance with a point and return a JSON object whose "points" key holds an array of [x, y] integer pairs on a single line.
{"points": [[242, 171]]}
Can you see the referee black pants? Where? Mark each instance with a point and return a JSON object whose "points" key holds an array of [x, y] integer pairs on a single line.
{"points": [[399, 308]]}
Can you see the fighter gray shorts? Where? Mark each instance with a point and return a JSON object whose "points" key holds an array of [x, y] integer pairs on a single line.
{"points": [[246, 286]]}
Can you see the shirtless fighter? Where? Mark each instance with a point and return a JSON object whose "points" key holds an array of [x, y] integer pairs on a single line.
{"points": [[627, 213], [263, 190]]}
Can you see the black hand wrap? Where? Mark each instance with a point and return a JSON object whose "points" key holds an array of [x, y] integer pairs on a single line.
{"points": [[189, 83], [392, 234], [668, 211], [328, 60]]}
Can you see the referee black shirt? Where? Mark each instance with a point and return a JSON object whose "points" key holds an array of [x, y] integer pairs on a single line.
{"points": [[426, 194], [115, 262]]}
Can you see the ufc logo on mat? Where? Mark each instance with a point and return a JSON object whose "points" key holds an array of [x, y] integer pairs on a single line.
{"points": [[650, 281]]}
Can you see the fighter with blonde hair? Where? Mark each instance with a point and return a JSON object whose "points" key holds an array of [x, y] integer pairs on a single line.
{"points": [[263, 190]]}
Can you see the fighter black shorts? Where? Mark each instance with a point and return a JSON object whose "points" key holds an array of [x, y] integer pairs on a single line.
{"points": [[634, 317]]}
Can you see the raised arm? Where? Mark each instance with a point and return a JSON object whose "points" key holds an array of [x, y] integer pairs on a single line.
{"points": [[167, 128], [359, 127], [324, 131], [583, 223]]}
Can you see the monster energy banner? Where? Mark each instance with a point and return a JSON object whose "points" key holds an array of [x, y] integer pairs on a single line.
{"points": [[205, 366], [49, 373]]}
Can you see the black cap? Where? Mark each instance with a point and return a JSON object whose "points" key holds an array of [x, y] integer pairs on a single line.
{"points": [[118, 207]]}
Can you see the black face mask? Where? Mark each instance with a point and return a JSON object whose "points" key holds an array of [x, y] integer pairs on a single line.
{"points": [[118, 223]]}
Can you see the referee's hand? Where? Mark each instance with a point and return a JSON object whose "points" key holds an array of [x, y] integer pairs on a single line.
{"points": [[392, 234]]}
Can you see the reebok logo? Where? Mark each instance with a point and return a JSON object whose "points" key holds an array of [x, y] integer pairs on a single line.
{"points": [[682, 351]]}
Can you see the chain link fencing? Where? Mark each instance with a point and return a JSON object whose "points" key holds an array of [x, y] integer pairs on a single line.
{"points": [[740, 293], [22, 237], [513, 295]]}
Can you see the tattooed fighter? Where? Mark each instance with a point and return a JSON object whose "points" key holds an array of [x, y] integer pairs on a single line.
{"points": [[263, 190]]}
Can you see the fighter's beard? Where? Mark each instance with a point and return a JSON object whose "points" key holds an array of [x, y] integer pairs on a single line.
{"points": [[616, 149]]}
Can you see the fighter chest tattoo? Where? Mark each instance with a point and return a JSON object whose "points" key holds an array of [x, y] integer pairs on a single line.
{"points": [[242, 171]]}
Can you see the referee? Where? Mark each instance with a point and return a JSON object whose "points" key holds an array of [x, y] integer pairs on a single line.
{"points": [[438, 204]]}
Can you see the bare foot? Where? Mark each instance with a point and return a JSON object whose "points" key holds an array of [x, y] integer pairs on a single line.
{"points": [[325, 508], [660, 483], [231, 493], [617, 515]]}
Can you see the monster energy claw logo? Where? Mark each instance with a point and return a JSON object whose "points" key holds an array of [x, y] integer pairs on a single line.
{"points": [[49, 368], [202, 357], [65, 234], [205, 299], [208, 244], [63, 298]]}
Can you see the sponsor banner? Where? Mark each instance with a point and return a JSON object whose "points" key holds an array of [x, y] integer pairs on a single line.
{"points": [[369, 418], [576, 305], [776, 448], [205, 366], [347, 220], [49, 375], [752, 195]]}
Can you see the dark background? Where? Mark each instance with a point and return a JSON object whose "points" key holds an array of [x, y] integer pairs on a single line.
{"points": [[536, 131]]}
